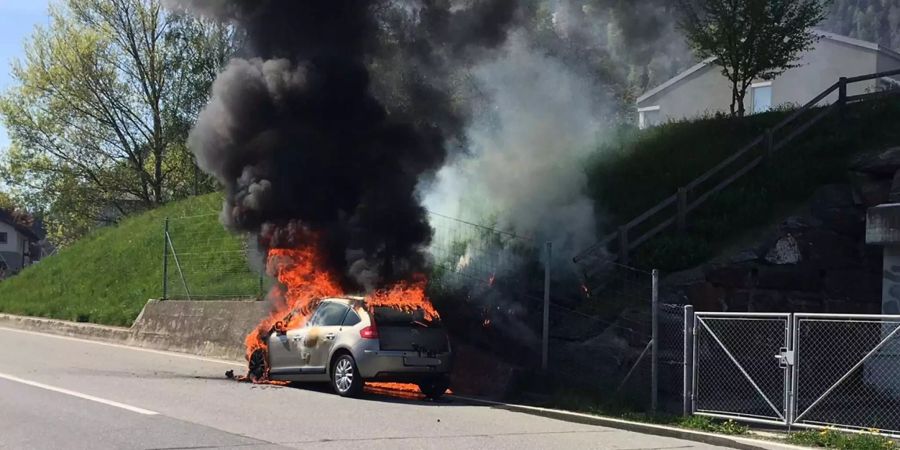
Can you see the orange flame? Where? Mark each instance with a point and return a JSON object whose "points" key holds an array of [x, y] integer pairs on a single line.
{"points": [[304, 283], [304, 286], [401, 390], [406, 296]]}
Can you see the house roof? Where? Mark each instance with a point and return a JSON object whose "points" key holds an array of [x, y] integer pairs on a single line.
{"points": [[676, 79], [7, 218], [824, 34]]}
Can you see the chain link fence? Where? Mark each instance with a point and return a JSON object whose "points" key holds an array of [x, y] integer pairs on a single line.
{"points": [[847, 372], [495, 285], [738, 373], [202, 261], [808, 370], [599, 321], [604, 335], [802, 370]]}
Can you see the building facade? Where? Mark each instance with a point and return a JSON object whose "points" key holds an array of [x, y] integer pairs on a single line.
{"points": [[703, 90], [16, 244]]}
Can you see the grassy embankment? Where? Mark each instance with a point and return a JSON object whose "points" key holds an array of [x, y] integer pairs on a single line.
{"points": [[107, 276]]}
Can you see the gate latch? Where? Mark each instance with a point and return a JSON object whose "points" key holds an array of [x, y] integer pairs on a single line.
{"points": [[785, 357]]}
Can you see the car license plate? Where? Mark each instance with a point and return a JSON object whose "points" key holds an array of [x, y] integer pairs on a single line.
{"points": [[420, 361]]}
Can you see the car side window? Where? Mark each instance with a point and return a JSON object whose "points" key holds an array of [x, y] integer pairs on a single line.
{"points": [[314, 320], [351, 319], [329, 315]]}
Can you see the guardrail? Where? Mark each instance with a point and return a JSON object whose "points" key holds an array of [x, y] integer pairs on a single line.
{"points": [[694, 194]]}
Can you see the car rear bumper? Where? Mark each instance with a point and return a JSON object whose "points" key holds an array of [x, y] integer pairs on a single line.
{"points": [[400, 366]]}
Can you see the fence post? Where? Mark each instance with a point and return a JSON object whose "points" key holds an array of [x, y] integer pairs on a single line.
{"points": [[682, 209], [261, 292], [623, 245], [842, 97], [687, 391], [165, 286], [545, 343], [654, 353]]}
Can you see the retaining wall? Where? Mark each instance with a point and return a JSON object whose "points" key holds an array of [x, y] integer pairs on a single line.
{"points": [[214, 329]]}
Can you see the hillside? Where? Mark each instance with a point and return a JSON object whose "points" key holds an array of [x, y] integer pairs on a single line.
{"points": [[108, 276], [637, 169]]}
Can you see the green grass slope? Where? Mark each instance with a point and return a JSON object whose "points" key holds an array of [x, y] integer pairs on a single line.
{"points": [[638, 169], [108, 276]]}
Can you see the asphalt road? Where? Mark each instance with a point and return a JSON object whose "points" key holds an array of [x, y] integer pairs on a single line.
{"points": [[63, 393]]}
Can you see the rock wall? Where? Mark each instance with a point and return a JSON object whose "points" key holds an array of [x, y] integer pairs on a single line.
{"points": [[814, 261]]}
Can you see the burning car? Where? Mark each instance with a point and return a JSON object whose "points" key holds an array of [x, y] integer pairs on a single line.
{"points": [[348, 341]]}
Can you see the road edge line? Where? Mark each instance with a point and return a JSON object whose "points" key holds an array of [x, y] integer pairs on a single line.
{"points": [[80, 395], [741, 443]]}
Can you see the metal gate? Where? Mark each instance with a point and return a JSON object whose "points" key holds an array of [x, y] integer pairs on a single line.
{"points": [[801, 370], [741, 366], [847, 372]]}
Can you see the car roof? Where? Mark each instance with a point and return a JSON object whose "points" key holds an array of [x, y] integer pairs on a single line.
{"points": [[346, 300]]}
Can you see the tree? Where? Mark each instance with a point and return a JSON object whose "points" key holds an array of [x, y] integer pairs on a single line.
{"points": [[751, 39], [6, 201], [102, 105]]}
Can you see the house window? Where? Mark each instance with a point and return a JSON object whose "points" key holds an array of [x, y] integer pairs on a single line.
{"points": [[648, 117], [4, 238], [762, 97]]}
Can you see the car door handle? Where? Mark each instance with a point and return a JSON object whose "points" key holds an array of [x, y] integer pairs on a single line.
{"points": [[329, 336]]}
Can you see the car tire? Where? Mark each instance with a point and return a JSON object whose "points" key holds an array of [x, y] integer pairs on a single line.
{"points": [[434, 388], [258, 370], [345, 378]]}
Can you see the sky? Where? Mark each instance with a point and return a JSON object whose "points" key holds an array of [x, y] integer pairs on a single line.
{"points": [[17, 19]]}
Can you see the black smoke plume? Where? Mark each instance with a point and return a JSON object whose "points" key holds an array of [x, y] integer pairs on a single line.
{"points": [[305, 148]]}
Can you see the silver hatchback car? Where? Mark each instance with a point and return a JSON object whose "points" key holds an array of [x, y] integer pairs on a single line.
{"points": [[347, 343]]}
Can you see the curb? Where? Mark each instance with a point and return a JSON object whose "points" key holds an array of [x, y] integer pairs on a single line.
{"points": [[66, 328], [741, 443]]}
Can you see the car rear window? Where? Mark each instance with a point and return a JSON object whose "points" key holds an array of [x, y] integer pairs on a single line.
{"points": [[393, 316]]}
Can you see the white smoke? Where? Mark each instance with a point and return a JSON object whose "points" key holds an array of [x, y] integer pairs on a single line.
{"points": [[525, 169]]}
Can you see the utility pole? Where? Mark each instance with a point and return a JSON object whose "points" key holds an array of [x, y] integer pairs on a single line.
{"points": [[545, 344]]}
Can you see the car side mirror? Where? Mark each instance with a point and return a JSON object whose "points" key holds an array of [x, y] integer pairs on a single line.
{"points": [[280, 328]]}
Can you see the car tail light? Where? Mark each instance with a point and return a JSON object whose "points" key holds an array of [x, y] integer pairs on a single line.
{"points": [[369, 332]]}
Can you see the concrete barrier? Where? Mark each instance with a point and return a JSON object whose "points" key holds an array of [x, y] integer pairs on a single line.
{"points": [[208, 328], [214, 329], [90, 331]]}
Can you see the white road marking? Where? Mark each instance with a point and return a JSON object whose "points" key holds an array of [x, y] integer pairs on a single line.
{"points": [[104, 401], [127, 347]]}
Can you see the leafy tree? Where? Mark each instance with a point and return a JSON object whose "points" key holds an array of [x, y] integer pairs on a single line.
{"points": [[101, 108], [6, 202], [751, 39]]}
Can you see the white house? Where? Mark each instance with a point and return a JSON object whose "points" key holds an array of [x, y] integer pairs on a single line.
{"points": [[16, 244], [703, 90]]}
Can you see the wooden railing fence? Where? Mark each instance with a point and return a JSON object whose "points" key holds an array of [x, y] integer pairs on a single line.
{"points": [[674, 210]]}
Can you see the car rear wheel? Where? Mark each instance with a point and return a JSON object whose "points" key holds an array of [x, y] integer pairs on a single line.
{"points": [[345, 378], [434, 387]]}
